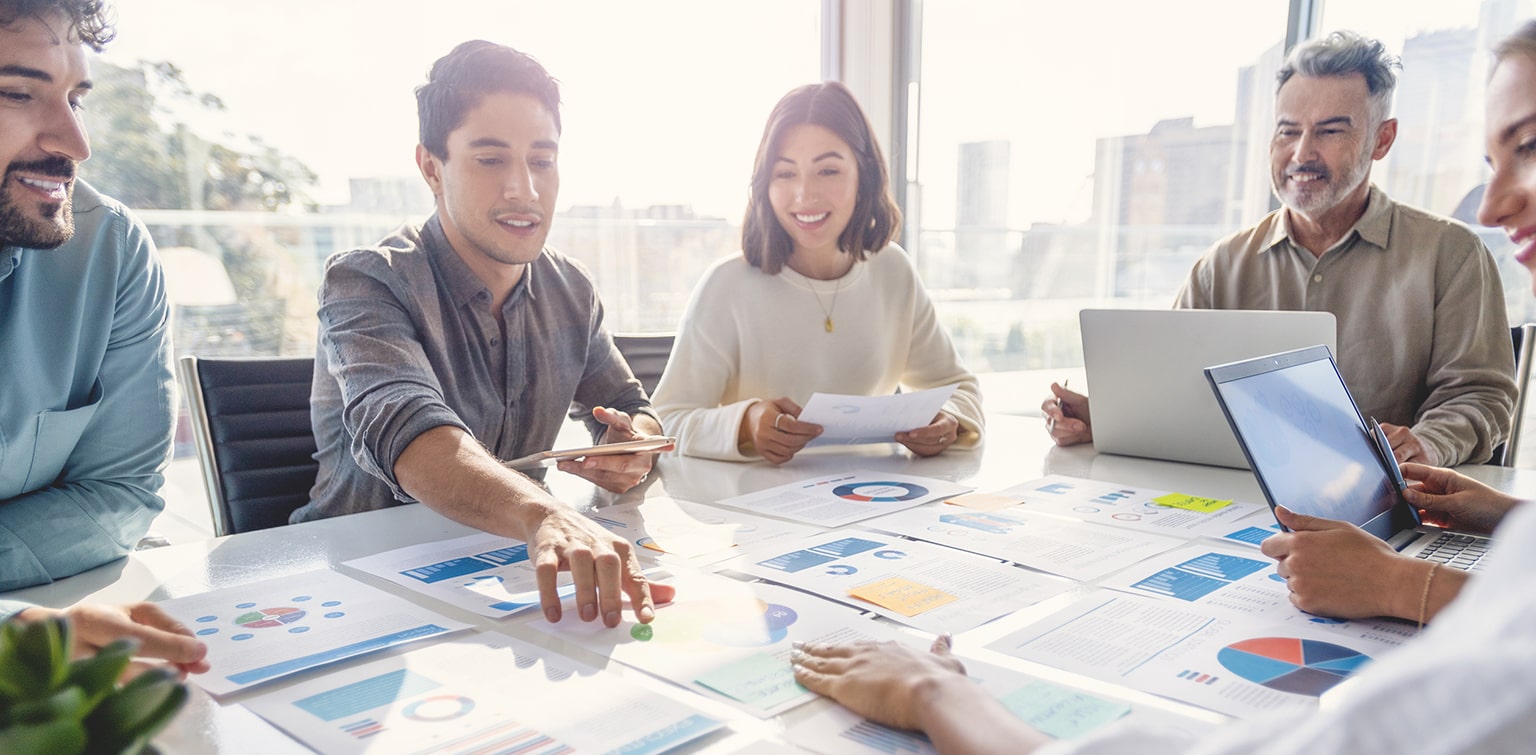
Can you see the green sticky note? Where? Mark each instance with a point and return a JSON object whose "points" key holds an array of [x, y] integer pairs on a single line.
{"points": [[761, 681], [1191, 503], [1060, 712]]}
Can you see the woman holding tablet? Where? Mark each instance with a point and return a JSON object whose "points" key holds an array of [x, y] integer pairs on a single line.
{"points": [[820, 300]]}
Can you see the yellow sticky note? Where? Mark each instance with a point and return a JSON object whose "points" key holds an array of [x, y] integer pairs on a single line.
{"points": [[984, 501], [1191, 503], [902, 595]]}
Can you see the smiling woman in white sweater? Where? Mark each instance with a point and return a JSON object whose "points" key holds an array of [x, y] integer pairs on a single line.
{"points": [[821, 300]]}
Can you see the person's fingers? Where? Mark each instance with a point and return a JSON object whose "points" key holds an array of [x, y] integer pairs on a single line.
{"points": [[610, 586], [662, 593], [161, 636], [1301, 522], [546, 574], [821, 684], [614, 419], [1277, 547], [942, 644], [842, 650], [584, 581]]}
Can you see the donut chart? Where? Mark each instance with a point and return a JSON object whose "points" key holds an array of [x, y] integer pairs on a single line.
{"points": [[269, 617], [880, 492], [1289, 664], [439, 708]]}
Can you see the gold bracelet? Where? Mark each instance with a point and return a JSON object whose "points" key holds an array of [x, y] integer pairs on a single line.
{"points": [[1424, 599]]}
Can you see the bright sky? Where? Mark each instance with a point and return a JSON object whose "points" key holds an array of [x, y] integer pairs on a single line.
{"points": [[653, 112]]}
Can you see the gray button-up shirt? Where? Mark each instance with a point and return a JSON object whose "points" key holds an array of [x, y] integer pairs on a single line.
{"points": [[408, 343], [1424, 341]]}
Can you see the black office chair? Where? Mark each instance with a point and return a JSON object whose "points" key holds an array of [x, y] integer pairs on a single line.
{"points": [[1524, 338], [647, 355], [250, 420]]}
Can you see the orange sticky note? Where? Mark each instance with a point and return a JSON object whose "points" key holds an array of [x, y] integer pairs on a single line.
{"points": [[1191, 503], [902, 595], [984, 501]]}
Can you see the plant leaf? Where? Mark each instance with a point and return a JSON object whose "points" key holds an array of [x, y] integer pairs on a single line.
{"points": [[68, 703], [136, 711], [63, 737], [97, 675]]}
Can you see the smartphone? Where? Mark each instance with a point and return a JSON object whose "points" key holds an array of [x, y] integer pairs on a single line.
{"points": [[644, 445]]}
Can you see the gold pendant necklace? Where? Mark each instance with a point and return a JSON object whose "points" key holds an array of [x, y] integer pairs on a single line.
{"points": [[825, 311]]}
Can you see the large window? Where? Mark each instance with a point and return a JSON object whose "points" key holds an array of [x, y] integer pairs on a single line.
{"points": [[1437, 162], [256, 139], [1081, 154]]}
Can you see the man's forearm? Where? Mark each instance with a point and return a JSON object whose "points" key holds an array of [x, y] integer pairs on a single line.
{"points": [[446, 469]]}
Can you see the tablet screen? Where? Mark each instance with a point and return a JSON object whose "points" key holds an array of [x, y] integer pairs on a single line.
{"points": [[1307, 443]]}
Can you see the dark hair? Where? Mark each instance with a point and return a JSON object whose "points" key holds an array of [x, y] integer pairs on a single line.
{"points": [[1344, 53], [875, 221], [90, 22], [1522, 42], [472, 70]]}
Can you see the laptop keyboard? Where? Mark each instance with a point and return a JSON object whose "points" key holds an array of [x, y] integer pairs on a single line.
{"points": [[1457, 551]]}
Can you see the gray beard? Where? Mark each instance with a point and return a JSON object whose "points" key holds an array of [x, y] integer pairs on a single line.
{"points": [[56, 227]]}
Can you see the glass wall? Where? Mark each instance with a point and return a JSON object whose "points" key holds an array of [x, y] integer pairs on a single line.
{"points": [[1060, 169], [1437, 162], [257, 139]]}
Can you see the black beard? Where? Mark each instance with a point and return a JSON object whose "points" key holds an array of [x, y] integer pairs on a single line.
{"points": [[57, 224]]}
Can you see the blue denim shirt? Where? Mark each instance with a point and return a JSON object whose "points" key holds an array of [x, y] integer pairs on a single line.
{"points": [[86, 413], [408, 342]]}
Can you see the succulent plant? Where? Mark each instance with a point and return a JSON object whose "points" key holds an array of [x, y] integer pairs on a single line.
{"points": [[52, 704]]}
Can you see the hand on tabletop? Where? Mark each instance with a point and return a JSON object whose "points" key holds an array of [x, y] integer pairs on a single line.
{"points": [[1406, 446], [883, 682], [603, 568], [160, 637]]}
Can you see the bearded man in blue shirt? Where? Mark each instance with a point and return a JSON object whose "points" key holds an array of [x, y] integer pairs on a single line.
{"points": [[86, 413]]}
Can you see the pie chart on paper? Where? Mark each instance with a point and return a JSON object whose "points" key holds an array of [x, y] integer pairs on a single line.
{"points": [[1289, 664]]}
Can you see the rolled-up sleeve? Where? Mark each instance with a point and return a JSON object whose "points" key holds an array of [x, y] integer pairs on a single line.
{"points": [[373, 352]]}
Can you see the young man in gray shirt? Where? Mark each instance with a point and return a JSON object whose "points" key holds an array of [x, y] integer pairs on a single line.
{"points": [[464, 340]]}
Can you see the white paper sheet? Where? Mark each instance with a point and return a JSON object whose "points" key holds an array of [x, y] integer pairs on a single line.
{"points": [[1223, 661], [844, 498], [1071, 549], [733, 635], [485, 693], [919, 584], [487, 574], [267, 630], [1226, 577], [1129, 506], [849, 420], [692, 534]]}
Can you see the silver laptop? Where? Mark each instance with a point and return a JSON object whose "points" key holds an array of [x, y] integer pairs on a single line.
{"points": [[1313, 453], [1149, 396]]}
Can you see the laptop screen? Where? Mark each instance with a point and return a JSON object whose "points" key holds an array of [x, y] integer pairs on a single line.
{"points": [[1305, 439]]}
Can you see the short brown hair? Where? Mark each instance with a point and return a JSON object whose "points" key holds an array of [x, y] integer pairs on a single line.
{"points": [[876, 219], [90, 22]]}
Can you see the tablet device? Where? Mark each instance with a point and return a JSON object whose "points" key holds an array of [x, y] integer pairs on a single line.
{"points": [[653, 445]]}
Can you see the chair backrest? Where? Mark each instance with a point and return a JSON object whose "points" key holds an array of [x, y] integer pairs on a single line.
{"points": [[1524, 337], [250, 420], [647, 355]]}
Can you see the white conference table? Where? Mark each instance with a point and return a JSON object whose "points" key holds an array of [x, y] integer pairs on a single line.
{"points": [[1017, 450]]}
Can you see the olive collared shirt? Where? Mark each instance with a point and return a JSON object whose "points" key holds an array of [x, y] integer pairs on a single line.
{"points": [[1423, 336], [408, 343]]}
